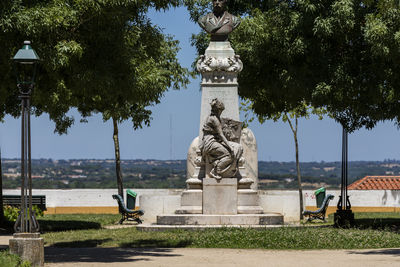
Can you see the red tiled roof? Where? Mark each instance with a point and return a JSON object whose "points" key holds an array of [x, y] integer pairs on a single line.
{"points": [[376, 183]]}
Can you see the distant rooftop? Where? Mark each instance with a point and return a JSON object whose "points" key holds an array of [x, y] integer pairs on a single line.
{"points": [[376, 183]]}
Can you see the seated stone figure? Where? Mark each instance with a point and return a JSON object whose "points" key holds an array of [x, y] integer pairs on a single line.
{"points": [[216, 149], [219, 23]]}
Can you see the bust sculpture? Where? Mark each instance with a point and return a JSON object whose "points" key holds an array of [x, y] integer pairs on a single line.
{"points": [[219, 23], [216, 149]]}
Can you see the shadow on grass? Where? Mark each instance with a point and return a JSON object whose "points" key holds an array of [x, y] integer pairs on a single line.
{"points": [[153, 243], [388, 251], [81, 244], [105, 255], [56, 226], [388, 224]]}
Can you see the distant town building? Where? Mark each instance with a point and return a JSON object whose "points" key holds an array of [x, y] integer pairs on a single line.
{"points": [[376, 183]]}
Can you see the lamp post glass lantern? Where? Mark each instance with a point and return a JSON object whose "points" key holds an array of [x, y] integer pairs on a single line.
{"points": [[25, 65]]}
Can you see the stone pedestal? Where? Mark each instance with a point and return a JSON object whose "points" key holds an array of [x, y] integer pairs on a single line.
{"points": [[220, 196], [29, 246], [248, 202], [191, 202]]}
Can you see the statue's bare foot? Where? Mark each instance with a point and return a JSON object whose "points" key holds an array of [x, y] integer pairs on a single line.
{"points": [[242, 161], [214, 175]]}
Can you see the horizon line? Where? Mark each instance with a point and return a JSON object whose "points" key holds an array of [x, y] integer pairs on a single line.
{"points": [[112, 159]]}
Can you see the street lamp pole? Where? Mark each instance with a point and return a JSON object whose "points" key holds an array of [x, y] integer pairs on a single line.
{"points": [[25, 63], [26, 241], [344, 217]]}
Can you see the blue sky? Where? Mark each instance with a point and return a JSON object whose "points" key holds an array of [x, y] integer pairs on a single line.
{"points": [[176, 122]]}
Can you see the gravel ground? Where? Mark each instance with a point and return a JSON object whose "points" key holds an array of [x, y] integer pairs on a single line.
{"points": [[218, 257]]}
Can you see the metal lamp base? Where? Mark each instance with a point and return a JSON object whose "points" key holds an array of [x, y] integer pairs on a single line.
{"points": [[344, 218]]}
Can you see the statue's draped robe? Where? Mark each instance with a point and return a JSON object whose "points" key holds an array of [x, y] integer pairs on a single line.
{"points": [[215, 152]]}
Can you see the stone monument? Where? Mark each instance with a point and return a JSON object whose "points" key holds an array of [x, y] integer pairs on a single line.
{"points": [[222, 160]]}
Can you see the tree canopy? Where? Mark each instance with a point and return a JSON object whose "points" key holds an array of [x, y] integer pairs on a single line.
{"points": [[338, 54], [98, 56]]}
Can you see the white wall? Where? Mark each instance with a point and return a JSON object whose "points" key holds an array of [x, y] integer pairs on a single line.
{"points": [[165, 201], [361, 198], [89, 197]]}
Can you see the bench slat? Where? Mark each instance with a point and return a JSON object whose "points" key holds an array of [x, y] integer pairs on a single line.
{"points": [[15, 201]]}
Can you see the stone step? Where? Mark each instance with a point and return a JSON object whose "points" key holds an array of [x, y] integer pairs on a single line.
{"points": [[250, 210], [205, 219], [159, 228], [190, 210]]}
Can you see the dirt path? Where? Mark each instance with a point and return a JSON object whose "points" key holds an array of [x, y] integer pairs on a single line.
{"points": [[218, 257], [84, 257]]}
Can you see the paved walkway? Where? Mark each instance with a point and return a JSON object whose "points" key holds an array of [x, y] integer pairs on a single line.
{"points": [[218, 257], [74, 257]]}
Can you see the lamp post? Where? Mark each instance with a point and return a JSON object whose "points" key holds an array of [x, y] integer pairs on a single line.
{"points": [[344, 217], [25, 64], [26, 241]]}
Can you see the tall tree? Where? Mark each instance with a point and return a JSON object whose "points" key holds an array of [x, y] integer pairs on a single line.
{"points": [[100, 56]]}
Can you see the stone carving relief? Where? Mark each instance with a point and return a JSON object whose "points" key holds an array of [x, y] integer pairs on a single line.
{"points": [[221, 154], [231, 129], [212, 64]]}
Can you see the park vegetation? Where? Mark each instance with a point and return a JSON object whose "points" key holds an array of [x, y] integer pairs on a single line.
{"points": [[372, 230], [98, 56], [338, 57], [12, 260]]}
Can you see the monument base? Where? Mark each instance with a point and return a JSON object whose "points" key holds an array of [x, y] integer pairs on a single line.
{"points": [[29, 246], [220, 196], [248, 202], [204, 219], [191, 202]]}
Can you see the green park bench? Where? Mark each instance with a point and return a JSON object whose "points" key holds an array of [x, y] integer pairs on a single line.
{"points": [[127, 214], [15, 201], [319, 213]]}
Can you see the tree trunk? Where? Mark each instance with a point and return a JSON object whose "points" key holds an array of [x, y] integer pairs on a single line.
{"points": [[118, 159], [1, 194], [296, 143]]}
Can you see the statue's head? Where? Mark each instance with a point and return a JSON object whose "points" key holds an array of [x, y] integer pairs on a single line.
{"points": [[217, 106], [219, 6]]}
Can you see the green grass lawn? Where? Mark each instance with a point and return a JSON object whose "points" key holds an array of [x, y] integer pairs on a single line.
{"points": [[373, 230], [274, 238]]}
